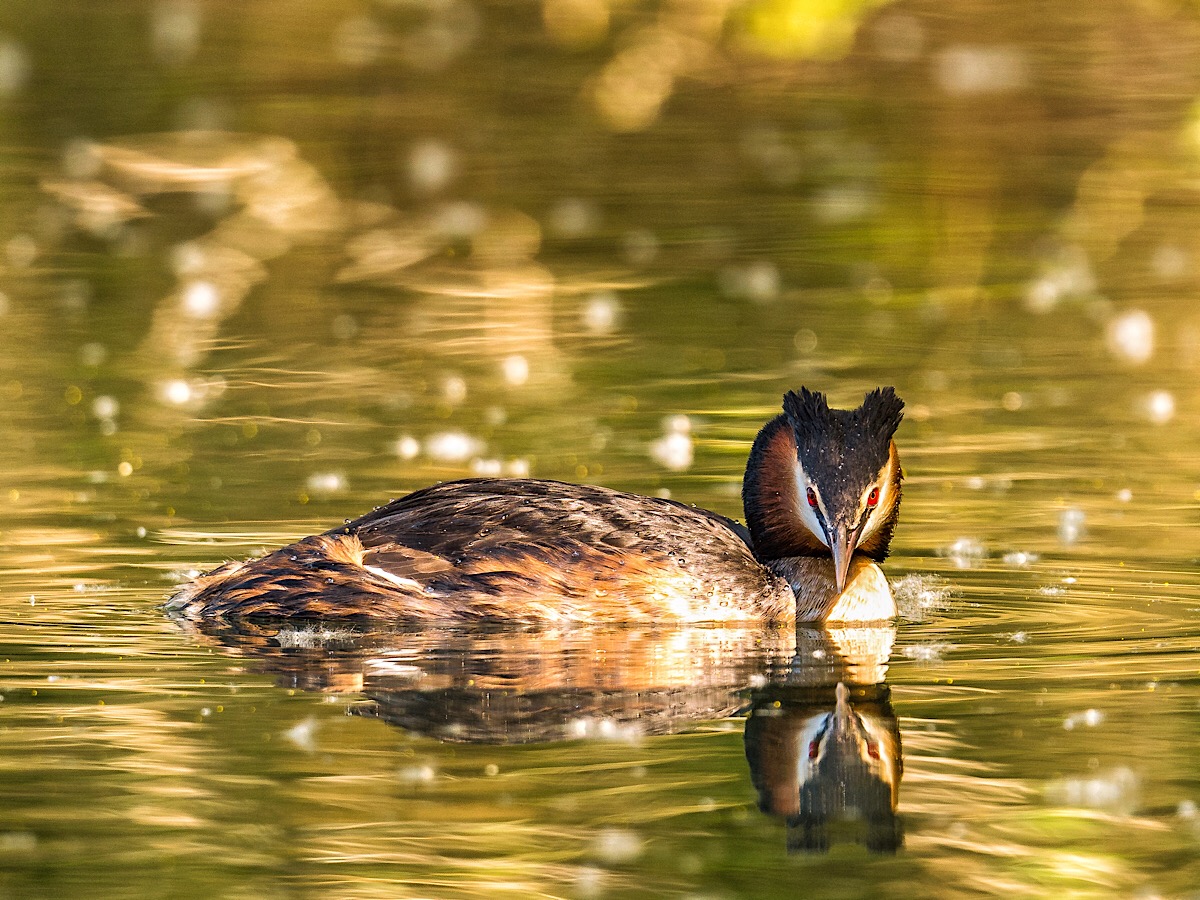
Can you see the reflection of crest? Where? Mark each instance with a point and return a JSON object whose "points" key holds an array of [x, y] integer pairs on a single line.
{"points": [[823, 742]]}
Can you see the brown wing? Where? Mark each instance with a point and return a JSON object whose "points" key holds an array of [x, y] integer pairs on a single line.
{"points": [[520, 550], [577, 551], [477, 519]]}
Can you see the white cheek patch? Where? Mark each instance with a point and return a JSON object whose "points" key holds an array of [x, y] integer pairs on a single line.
{"points": [[807, 516], [878, 515]]}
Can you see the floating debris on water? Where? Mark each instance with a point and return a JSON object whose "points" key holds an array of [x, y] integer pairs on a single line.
{"points": [[601, 313], [1157, 407], [1089, 718], [964, 70], [18, 842], [105, 407], [407, 446], [639, 246], [452, 446], [965, 553], [1072, 525], [674, 449], [84, 587], [417, 774], [758, 281], [487, 468], [604, 729], [573, 217], [929, 652], [617, 845], [516, 369], [1115, 791], [432, 165], [325, 483], [454, 389], [1131, 337], [177, 392], [303, 734]]}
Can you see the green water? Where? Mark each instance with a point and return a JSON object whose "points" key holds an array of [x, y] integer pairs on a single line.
{"points": [[595, 241]]}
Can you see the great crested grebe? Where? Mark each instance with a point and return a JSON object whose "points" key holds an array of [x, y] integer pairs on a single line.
{"points": [[821, 496]]}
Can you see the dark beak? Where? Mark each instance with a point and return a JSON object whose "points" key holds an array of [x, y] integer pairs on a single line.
{"points": [[842, 541]]}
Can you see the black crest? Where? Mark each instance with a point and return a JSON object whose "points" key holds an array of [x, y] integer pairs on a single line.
{"points": [[843, 446]]}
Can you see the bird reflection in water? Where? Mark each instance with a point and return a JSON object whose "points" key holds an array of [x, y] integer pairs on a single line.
{"points": [[821, 737], [518, 685], [823, 743]]}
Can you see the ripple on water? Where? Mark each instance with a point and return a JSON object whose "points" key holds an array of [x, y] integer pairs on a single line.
{"points": [[314, 636], [919, 595]]}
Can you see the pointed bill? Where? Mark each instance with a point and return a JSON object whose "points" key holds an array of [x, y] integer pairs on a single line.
{"points": [[842, 541]]}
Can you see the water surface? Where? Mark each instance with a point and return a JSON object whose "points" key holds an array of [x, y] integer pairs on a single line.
{"points": [[264, 270]]}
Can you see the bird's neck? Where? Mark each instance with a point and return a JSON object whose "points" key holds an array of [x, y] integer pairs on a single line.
{"points": [[867, 597], [771, 497]]}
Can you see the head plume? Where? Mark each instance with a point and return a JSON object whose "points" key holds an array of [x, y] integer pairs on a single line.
{"points": [[819, 477], [822, 434]]}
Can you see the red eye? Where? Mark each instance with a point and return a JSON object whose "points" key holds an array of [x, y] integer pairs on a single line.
{"points": [[873, 497], [814, 750], [812, 498], [873, 750]]}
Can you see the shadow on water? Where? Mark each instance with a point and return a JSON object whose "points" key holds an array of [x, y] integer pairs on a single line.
{"points": [[821, 739]]}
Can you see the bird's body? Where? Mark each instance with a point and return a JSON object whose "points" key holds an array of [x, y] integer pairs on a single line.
{"points": [[524, 550]]}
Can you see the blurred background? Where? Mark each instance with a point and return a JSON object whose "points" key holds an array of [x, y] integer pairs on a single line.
{"points": [[265, 265], [257, 259]]}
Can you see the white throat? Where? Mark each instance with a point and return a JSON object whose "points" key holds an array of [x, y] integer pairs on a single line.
{"points": [[808, 515]]}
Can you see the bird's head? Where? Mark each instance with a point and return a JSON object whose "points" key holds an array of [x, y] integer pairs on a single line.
{"points": [[844, 469], [824, 480]]}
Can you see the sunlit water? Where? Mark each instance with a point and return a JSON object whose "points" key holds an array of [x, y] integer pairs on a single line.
{"points": [[592, 242]]}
